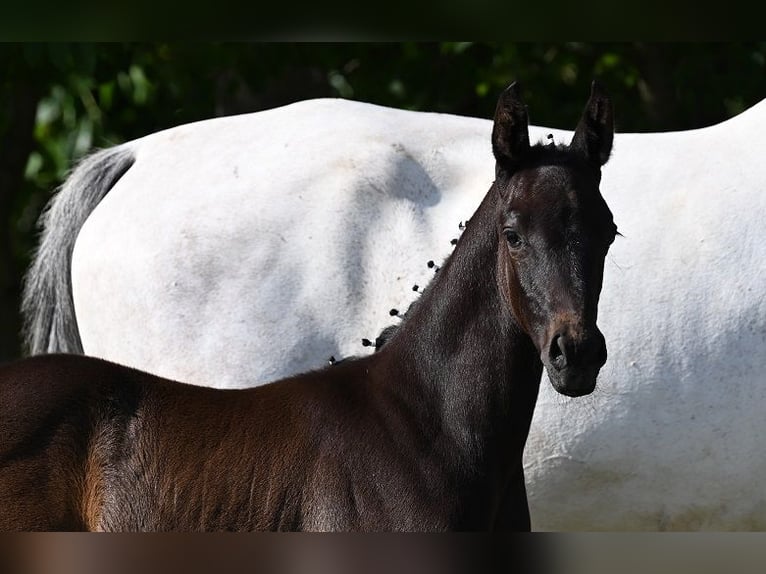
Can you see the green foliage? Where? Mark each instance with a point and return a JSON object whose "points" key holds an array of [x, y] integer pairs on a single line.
{"points": [[96, 95], [101, 94]]}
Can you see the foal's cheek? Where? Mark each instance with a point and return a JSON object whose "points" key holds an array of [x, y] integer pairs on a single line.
{"points": [[513, 292]]}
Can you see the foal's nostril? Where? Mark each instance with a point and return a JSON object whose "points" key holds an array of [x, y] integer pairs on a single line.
{"points": [[589, 351], [557, 352]]}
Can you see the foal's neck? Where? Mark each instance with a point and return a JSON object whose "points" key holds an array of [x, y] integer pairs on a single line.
{"points": [[466, 363]]}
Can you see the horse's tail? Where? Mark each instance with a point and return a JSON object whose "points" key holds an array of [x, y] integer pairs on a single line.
{"points": [[47, 307]]}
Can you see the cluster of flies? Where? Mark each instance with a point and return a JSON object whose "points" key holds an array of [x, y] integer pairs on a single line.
{"points": [[383, 337], [381, 340]]}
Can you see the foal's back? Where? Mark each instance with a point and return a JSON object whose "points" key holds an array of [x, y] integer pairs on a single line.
{"points": [[87, 444]]}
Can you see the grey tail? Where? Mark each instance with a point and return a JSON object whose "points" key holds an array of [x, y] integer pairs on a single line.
{"points": [[47, 307]]}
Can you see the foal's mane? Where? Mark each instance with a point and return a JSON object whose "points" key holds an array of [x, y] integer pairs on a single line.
{"points": [[542, 153], [537, 155]]}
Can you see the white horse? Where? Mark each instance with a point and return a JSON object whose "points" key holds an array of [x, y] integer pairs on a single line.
{"points": [[247, 248]]}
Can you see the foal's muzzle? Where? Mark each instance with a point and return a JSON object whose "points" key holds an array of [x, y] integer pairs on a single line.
{"points": [[573, 362]]}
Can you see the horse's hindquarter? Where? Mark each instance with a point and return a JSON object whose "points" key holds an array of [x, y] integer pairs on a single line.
{"points": [[255, 252]]}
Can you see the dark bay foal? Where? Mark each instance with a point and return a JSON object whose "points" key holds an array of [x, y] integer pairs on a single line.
{"points": [[426, 434]]}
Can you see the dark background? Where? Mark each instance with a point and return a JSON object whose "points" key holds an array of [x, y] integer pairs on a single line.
{"points": [[60, 100]]}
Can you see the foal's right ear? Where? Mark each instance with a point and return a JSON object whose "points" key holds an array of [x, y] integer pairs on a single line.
{"points": [[594, 134], [510, 134]]}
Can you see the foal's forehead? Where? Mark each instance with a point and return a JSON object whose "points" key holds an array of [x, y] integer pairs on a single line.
{"points": [[554, 185]]}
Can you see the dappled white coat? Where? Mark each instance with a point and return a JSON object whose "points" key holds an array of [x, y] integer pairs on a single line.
{"points": [[243, 249]]}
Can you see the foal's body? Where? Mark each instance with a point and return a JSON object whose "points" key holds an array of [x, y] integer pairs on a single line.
{"points": [[353, 447], [136, 458], [427, 434]]}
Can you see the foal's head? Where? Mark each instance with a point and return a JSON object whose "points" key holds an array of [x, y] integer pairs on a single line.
{"points": [[555, 230]]}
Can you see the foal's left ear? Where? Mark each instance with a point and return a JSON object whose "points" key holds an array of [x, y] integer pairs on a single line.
{"points": [[595, 132], [510, 134]]}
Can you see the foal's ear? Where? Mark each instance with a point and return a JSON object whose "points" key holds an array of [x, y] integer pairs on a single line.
{"points": [[510, 134], [595, 132]]}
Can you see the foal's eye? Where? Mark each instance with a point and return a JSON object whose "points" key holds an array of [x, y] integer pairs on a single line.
{"points": [[513, 238]]}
